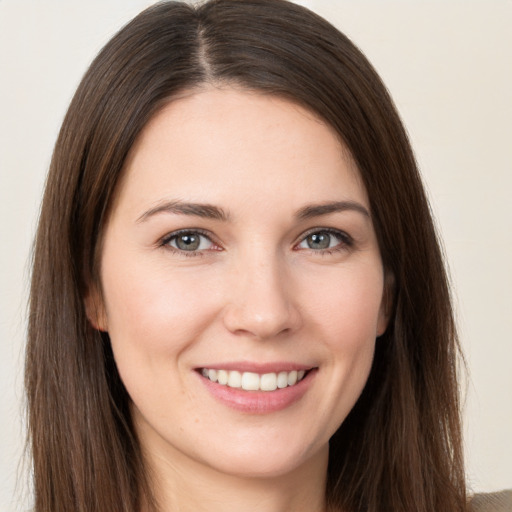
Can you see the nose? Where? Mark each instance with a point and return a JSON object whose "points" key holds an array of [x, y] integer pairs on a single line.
{"points": [[261, 302]]}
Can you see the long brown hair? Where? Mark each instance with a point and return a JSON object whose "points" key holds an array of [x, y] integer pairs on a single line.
{"points": [[399, 449]]}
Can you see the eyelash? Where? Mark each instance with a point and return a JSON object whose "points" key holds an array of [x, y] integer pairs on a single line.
{"points": [[166, 240], [346, 241]]}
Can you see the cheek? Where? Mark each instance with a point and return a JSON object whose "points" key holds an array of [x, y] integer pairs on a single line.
{"points": [[151, 314], [153, 320], [348, 305], [346, 314]]}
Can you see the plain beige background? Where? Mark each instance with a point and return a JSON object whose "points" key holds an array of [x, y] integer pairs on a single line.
{"points": [[448, 64]]}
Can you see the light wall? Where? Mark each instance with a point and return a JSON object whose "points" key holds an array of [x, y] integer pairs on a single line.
{"points": [[449, 67]]}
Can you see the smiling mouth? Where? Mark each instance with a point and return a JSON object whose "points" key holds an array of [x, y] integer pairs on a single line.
{"points": [[250, 381]]}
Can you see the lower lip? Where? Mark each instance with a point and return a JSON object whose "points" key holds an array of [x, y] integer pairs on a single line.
{"points": [[259, 402]]}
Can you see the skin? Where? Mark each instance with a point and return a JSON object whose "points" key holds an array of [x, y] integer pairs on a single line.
{"points": [[254, 291]]}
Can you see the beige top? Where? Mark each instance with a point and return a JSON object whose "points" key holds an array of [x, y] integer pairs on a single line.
{"points": [[494, 502]]}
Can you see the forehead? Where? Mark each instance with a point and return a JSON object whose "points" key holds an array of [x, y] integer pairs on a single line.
{"points": [[217, 144]]}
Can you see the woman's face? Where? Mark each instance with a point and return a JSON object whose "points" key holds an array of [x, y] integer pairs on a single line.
{"points": [[242, 285]]}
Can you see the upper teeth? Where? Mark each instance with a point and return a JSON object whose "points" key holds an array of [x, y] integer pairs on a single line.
{"points": [[250, 381]]}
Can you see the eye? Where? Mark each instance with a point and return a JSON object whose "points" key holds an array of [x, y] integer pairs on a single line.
{"points": [[188, 241], [325, 240]]}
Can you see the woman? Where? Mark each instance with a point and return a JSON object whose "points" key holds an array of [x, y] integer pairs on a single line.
{"points": [[238, 299]]}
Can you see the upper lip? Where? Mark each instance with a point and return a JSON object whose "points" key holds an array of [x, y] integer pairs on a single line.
{"points": [[255, 367]]}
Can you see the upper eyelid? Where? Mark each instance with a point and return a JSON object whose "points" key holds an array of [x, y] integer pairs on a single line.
{"points": [[169, 236], [320, 229], [341, 233]]}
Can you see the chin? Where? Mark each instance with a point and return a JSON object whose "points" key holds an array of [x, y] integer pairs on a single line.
{"points": [[265, 462]]}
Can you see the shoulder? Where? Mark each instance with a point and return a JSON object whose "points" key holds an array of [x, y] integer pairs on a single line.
{"points": [[492, 502]]}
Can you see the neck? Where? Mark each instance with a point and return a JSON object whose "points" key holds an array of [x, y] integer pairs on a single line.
{"points": [[184, 485]]}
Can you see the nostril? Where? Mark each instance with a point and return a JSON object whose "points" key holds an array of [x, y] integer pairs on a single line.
{"points": [[263, 319]]}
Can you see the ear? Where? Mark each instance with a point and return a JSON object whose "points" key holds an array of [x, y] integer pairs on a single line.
{"points": [[386, 305], [95, 309]]}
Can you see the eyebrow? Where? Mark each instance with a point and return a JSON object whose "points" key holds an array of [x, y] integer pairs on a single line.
{"points": [[317, 210], [209, 211]]}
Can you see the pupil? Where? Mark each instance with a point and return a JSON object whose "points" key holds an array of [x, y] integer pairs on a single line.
{"points": [[188, 242], [319, 241]]}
